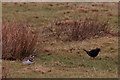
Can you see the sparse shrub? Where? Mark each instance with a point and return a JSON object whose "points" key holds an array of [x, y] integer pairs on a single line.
{"points": [[18, 40], [74, 30]]}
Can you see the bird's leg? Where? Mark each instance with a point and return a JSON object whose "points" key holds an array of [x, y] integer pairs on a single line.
{"points": [[91, 58], [94, 58]]}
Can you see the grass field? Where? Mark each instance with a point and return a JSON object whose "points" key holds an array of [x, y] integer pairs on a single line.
{"points": [[55, 58]]}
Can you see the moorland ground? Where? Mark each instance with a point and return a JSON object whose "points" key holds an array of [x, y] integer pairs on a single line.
{"points": [[55, 58]]}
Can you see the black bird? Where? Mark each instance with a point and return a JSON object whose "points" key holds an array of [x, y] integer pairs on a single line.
{"points": [[93, 53]]}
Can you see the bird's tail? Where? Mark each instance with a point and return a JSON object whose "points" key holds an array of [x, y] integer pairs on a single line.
{"points": [[85, 50]]}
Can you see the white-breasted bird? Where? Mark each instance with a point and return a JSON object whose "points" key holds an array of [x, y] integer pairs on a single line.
{"points": [[28, 60]]}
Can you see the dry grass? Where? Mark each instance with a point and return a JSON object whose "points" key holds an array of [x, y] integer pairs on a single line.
{"points": [[70, 30], [19, 40]]}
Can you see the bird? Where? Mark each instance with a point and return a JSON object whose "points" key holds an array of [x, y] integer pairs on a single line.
{"points": [[28, 60], [93, 53]]}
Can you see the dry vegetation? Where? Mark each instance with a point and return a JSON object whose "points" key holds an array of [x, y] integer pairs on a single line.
{"points": [[19, 40], [69, 30]]}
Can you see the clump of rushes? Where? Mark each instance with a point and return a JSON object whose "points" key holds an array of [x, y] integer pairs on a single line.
{"points": [[74, 30], [18, 40]]}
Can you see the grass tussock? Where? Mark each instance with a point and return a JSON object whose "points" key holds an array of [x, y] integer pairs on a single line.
{"points": [[74, 30], [19, 40]]}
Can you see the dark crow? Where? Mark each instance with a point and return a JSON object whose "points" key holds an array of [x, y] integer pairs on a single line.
{"points": [[93, 53]]}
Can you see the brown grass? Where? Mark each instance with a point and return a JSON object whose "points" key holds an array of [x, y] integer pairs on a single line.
{"points": [[19, 40], [71, 30]]}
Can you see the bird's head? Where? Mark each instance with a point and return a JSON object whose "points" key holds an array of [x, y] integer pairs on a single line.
{"points": [[98, 49], [32, 56]]}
